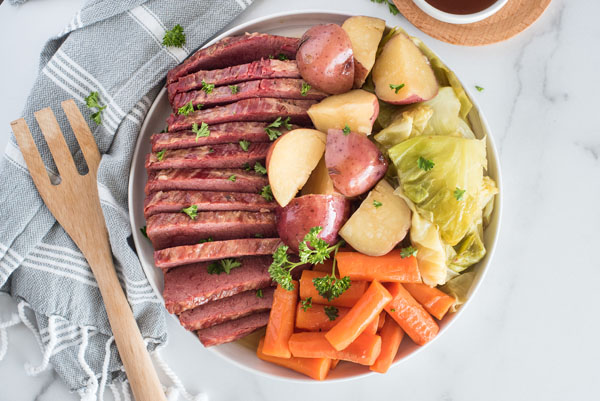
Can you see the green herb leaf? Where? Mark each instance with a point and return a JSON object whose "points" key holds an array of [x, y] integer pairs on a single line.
{"points": [[391, 6], [199, 106], [425, 164], [187, 109], [259, 293], [201, 132], [408, 252], [305, 88], [234, 89], [202, 241], [259, 168], [258, 235], [306, 304], [160, 155], [392, 310], [191, 211], [331, 287], [272, 130], [208, 88], [271, 57], [346, 130], [244, 145], [282, 57], [266, 193], [211, 150], [396, 88], [97, 117], [223, 266], [246, 166], [377, 204], [232, 178], [286, 123], [479, 88], [175, 37], [459, 193], [92, 102], [143, 231], [332, 312]]}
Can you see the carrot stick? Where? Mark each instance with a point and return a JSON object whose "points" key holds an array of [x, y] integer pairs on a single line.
{"points": [[433, 300], [410, 315], [391, 267], [391, 337], [364, 350], [347, 299], [315, 318], [381, 321], [317, 368], [366, 309], [326, 266], [334, 363], [281, 322], [372, 327]]}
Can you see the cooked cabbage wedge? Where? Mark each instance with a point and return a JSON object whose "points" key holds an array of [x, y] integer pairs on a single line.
{"points": [[459, 164], [459, 287], [404, 125]]}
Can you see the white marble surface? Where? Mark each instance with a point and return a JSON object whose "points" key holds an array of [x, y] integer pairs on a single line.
{"points": [[530, 334]]}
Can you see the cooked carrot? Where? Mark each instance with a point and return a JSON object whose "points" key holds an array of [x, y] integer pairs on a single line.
{"points": [[391, 267], [366, 309], [381, 321], [324, 267], [364, 350], [347, 299], [391, 337], [433, 300], [315, 318], [372, 327], [410, 315], [281, 322], [334, 363], [317, 368]]}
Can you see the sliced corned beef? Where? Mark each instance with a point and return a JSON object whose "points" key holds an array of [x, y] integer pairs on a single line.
{"points": [[214, 250], [189, 286], [258, 109], [174, 201], [230, 308], [205, 180], [235, 50], [209, 156], [281, 88], [166, 230], [260, 69], [233, 329]]}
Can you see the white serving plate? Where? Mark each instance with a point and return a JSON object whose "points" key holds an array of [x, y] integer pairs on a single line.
{"points": [[242, 353]]}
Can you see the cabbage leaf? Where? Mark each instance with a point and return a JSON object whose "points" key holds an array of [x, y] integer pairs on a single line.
{"points": [[405, 124]]}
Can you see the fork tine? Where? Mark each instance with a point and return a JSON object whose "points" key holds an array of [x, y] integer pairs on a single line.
{"points": [[35, 164], [83, 134], [56, 142]]}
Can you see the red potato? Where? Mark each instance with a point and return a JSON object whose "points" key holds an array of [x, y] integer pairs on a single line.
{"points": [[319, 181], [325, 58], [402, 63], [365, 34], [357, 110], [296, 219], [354, 163]]}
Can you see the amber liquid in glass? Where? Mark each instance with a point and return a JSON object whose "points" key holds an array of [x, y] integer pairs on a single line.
{"points": [[461, 7]]}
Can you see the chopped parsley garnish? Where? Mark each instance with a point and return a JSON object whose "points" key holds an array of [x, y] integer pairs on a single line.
{"points": [[282, 57], [346, 130], [143, 231], [223, 266], [305, 88], [408, 252], [234, 89], [199, 106], [202, 241], [306, 304], [331, 287], [377, 204], [92, 102], [175, 37], [201, 132], [392, 310], [391, 6], [259, 293], [187, 109], [396, 88], [271, 57], [191, 211], [232, 178], [479, 88], [258, 235], [244, 145], [332, 312], [272, 130], [259, 168], [208, 88], [246, 166], [211, 150], [459, 193], [160, 155], [266, 193], [425, 164]]}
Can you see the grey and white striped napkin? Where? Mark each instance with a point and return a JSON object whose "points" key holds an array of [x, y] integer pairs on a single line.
{"points": [[112, 47]]}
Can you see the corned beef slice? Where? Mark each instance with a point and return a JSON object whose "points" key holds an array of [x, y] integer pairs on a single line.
{"points": [[233, 329], [174, 201], [261, 69], [213, 156], [205, 180], [260, 109], [230, 308], [167, 230], [282, 88], [214, 250], [235, 50], [189, 286]]}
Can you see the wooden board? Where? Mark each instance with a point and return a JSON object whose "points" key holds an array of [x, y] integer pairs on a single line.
{"points": [[512, 19]]}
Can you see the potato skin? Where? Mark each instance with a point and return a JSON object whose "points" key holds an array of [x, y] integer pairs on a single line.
{"points": [[354, 163], [296, 219], [325, 59]]}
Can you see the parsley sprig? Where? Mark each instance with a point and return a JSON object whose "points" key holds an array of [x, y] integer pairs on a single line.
{"points": [[396, 88], [259, 168], [425, 164], [187, 109], [191, 211], [259, 293], [391, 6], [223, 266], [208, 88], [175, 37], [201, 132], [306, 304], [234, 89], [266, 193], [160, 155], [305, 88], [459, 193], [377, 204], [408, 252], [332, 312], [244, 144], [346, 130], [272, 130], [92, 102]]}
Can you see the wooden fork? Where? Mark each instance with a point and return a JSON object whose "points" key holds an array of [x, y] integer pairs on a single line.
{"points": [[75, 204]]}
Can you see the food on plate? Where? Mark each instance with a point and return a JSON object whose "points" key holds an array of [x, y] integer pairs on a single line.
{"points": [[402, 74], [436, 302], [354, 163], [325, 58], [319, 181], [405, 124], [346, 300], [379, 224], [290, 161], [356, 110], [365, 34], [232, 330], [363, 350], [391, 337], [296, 219], [316, 318], [281, 322], [392, 267]]}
